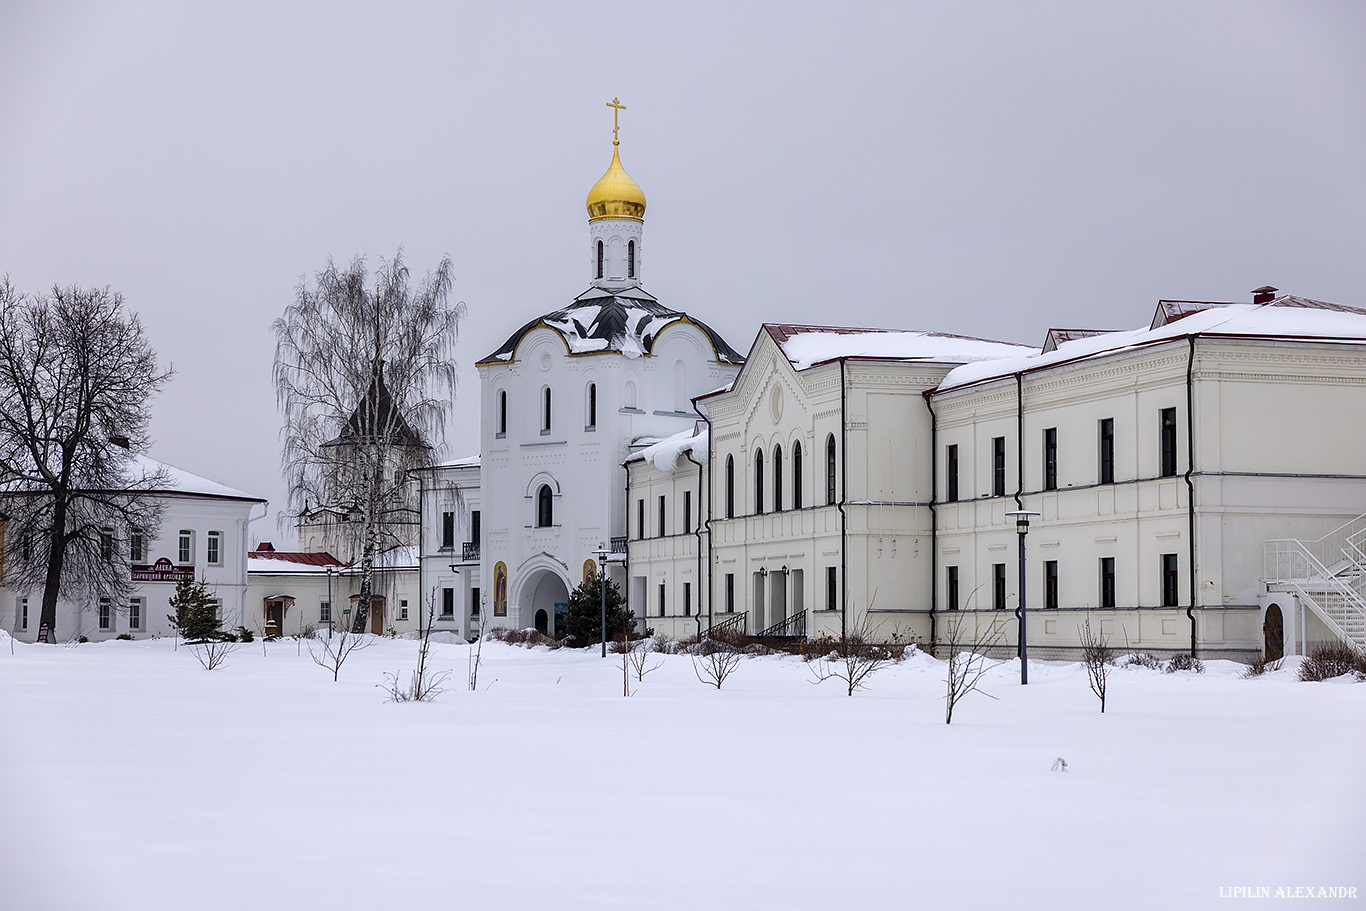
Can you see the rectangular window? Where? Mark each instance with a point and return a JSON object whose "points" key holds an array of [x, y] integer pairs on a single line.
{"points": [[640, 518], [135, 614], [475, 530], [730, 593], [663, 527], [448, 529], [213, 544], [832, 590], [661, 599], [403, 609], [474, 602], [687, 512], [998, 466], [1050, 459], [1168, 442], [23, 613], [447, 603], [951, 474], [106, 544], [687, 599], [1170, 581], [137, 546], [1107, 451], [217, 604], [185, 547], [998, 586], [1107, 581], [325, 612], [951, 592], [106, 614], [592, 406], [1050, 584]]}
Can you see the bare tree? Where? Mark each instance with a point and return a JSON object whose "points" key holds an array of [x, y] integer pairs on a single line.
{"points": [[639, 656], [967, 656], [715, 660], [365, 381], [1095, 654], [854, 658], [330, 651], [213, 652], [425, 684], [76, 377]]}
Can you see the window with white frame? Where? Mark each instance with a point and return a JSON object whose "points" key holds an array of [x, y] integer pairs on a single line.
{"points": [[185, 547], [106, 614], [325, 612], [23, 613], [106, 544], [447, 603], [213, 544], [135, 613], [403, 608], [137, 546]]}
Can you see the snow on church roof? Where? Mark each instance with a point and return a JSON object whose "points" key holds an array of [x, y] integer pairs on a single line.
{"points": [[1286, 318], [665, 453], [625, 323], [177, 480], [806, 346]]}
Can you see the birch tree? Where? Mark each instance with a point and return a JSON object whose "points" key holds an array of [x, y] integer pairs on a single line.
{"points": [[365, 380]]}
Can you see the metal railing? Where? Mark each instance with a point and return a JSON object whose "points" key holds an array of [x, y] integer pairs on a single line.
{"points": [[1327, 575], [793, 627], [732, 626], [469, 550]]}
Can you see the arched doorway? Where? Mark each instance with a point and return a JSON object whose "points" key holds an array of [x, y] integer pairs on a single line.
{"points": [[1273, 633], [545, 601]]}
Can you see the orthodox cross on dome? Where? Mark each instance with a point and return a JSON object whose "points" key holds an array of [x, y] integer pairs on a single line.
{"points": [[617, 107]]}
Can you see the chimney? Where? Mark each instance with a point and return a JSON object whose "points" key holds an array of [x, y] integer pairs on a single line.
{"points": [[119, 439], [1264, 295]]}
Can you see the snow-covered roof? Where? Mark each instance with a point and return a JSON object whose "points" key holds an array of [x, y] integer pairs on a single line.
{"points": [[178, 480], [664, 454], [392, 560], [626, 323], [1286, 318], [806, 346]]}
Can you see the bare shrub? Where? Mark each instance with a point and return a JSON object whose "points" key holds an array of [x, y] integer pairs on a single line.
{"points": [[854, 658], [1184, 662], [639, 658], [715, 660], [331, 652], [212, 652], [1333, 660], [528, 637], [1095, 654], [1260, 665], [967, 658], [1143, 660], [424, 685]]}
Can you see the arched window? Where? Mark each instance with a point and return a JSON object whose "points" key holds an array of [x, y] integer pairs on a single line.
{"points": [[830, 470], [502, 412], [545, 410], [778, 478], [545, 510], [628, 394], [631, 259], [730, 487], [592, 405], [758, 482], [599, 275], [797, 475]]}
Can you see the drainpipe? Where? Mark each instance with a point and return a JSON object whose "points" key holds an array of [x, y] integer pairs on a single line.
{"points": [[626, 557], [934, 516], [1019, 488], [844, 521], [697, 530], [1190, 485]]}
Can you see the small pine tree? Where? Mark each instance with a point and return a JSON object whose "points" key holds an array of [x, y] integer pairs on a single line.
{"points": [[584, 620], [195, 615]]}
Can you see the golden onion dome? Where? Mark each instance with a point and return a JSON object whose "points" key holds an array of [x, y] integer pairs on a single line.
{"points": [[616, 195]]}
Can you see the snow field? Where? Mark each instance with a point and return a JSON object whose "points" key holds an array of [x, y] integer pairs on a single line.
{"points": [[132, 778]]}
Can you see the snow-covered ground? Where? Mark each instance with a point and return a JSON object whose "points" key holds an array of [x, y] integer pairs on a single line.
{"points": [[132, 778]]}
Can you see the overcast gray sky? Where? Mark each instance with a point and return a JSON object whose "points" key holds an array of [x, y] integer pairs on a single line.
{"points": [[990, 169]]}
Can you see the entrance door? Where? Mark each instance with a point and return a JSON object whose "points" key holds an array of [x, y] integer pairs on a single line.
{"points": [[1273, 634], [542, 621], [377, 616], [275, 618]]}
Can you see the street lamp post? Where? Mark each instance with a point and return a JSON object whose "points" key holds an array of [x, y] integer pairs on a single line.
{"points": [[602, 553], [329, 603], [1022, 529]]}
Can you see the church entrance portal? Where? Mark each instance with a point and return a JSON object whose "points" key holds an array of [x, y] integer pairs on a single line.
{"points": [[548, 599], [1273, 633]]}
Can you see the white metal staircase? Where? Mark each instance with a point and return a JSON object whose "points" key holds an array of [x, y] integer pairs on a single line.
{"points": [[1328, 575]]}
